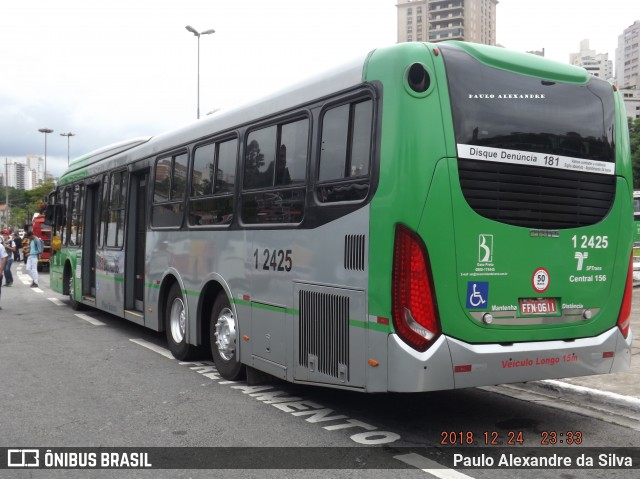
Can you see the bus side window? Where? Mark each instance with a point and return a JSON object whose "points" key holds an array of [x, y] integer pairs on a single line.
{"points": [[169, 190], [104, 211], [275, 171], [64, 210], [75, 237], [259, 158], [345, 152], [211, 201], [116, 210]]}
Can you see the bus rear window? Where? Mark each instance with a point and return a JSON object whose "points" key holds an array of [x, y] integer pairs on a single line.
{"points": [[502, 109]]}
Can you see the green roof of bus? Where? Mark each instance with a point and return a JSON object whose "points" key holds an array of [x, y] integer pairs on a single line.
{"points": [[525, 63]]}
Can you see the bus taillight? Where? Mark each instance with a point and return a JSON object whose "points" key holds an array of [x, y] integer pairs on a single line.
{"points": [[624, 319], [415, 312]]}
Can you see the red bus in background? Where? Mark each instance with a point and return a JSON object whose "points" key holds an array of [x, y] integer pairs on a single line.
{"points": [[43, 232]]}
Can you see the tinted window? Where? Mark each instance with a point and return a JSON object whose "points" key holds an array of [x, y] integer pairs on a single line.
{"points": [[179, 181], [259, 158], [361, 143], [163, 180], [202, 178], [292, 153], [276, 161], [502, 109], [226, 166], [170, 190], [335, 131], [77, 209], [104, 210], [345, 154], [64, 235], [212, 201], [117, 208]]}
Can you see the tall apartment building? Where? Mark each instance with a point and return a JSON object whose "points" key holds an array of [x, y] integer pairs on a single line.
{"points": [[628, 68], [20, 173], [628, 58], [36, 163], [598, 64], [437, 20], [631, 99]]}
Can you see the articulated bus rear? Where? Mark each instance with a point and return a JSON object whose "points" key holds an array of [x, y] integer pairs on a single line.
{"points": [[502, 221]]}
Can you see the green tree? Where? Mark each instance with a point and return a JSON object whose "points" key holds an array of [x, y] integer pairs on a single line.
{"points": [[24, 203]]}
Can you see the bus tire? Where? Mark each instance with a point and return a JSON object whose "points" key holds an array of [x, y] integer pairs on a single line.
{"points": [[176, 326], [223, 335], [75, 305]]}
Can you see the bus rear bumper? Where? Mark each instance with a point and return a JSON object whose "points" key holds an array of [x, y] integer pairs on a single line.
{"points": [[451, 363]]}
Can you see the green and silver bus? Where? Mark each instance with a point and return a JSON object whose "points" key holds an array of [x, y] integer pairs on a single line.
{"points": [[427, 217]]}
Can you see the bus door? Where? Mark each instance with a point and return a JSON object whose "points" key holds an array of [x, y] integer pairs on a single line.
{"points": [[136, 243], [92, 217]]}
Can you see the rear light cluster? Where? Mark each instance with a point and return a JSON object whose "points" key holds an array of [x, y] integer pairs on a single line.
{"points": [[414, 308], [624, 319]]}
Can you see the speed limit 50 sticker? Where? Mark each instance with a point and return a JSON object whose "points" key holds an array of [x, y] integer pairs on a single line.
{"points": [[540, 280]]}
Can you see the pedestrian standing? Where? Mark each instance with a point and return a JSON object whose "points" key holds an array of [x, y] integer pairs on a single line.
{"points": [[25, 248], [18, 241], [10, 248], [3, 260], [35, 248]]}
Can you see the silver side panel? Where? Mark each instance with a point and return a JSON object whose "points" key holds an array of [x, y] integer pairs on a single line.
{"points": [[288, 287], [451, 363]]}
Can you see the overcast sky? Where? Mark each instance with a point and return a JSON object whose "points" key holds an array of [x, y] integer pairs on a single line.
{"points": [[113, 70]]}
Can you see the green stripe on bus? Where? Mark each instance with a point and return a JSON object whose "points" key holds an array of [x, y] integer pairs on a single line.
{"points": [[117, 279]]}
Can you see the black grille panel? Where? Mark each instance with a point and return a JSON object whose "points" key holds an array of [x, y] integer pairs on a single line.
{"points": [[354, 252], [534, 197], [324, 333]]}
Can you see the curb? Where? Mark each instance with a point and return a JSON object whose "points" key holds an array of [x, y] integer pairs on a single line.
{"points": [[606, 398]]}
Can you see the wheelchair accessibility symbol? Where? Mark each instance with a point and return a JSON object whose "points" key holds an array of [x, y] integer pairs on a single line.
{"points": [[477, 294]]}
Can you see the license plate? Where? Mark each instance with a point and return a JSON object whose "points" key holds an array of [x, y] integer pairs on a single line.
{"points": [[530, 306]]}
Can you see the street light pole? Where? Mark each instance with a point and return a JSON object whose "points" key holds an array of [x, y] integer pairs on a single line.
{"points": [[45, 131], [197, 34], [6, 187], [68, 135]]}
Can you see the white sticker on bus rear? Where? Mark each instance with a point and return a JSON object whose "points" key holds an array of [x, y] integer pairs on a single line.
{"points": [[518, 157]]}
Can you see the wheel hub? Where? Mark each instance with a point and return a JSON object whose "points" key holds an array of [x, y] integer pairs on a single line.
{"points": [[226, 334], [178, 321]]}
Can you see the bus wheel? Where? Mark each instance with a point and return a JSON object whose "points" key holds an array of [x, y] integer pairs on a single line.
{"points": [[223, 334], [75, 305], [176, 326]]}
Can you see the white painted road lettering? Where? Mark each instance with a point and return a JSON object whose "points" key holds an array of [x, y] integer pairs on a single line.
{"points": [[311, 411]]}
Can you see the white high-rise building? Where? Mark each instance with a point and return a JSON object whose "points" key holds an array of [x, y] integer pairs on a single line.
{"points": [[437, 20], [36, 163], [21, 174], [628, 68], [598, 64], [628, 58], [631, 98]]}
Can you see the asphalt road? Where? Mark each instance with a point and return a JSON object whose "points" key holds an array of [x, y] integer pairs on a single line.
{"points": [[69, 381]]}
